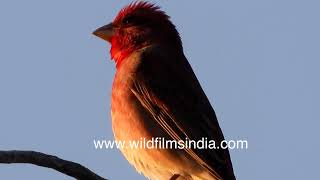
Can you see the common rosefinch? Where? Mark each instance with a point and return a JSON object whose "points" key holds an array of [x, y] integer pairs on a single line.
{"points": [[156, 94]]}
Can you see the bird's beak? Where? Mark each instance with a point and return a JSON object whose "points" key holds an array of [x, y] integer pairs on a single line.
{"points": [[105, 32]]}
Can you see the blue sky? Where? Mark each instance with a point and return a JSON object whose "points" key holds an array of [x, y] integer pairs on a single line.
{"points": [[258, 62]]}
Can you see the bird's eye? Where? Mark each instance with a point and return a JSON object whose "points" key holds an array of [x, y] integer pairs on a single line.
{"points": [[128, 20]]}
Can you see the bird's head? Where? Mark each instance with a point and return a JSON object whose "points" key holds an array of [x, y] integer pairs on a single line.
{"points": [[138, 25]]}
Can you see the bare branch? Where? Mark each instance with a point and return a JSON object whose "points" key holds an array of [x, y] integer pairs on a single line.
{"points": [[40, 159]]}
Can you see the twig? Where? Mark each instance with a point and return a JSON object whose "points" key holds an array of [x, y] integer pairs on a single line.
{"points": [[40, 159]]}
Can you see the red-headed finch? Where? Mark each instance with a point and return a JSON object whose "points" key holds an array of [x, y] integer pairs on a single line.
{"points": [[156, 94]]}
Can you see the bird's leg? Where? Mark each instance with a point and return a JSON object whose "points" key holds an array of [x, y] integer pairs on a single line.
{"points": [[174, 177]]}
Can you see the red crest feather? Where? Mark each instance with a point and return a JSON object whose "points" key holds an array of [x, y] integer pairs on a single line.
{"points": [[137, 6]]}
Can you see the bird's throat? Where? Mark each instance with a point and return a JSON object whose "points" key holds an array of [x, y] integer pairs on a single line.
{"points": [[119, 51], [119, 55]]}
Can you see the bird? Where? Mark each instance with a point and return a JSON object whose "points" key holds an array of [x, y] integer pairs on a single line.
{"points": [[155, 93]]}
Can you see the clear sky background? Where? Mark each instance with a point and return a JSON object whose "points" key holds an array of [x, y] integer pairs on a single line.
{"points": [[258, 62]]}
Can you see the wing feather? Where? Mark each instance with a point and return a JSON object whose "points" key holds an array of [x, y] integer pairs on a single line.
{"points": [[168, 89]]}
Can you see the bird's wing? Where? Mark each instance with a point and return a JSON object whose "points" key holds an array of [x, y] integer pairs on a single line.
{"points": [[168, 89]]}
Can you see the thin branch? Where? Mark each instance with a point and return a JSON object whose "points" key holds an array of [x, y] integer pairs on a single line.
{"points": [[40, 159]]}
